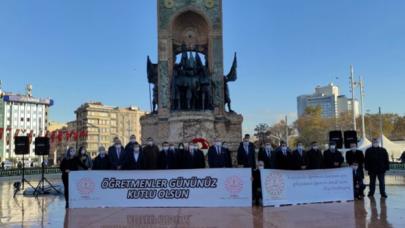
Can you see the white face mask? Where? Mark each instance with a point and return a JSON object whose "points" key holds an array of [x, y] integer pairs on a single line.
{"points": [[102, 153], [136, 149], [284, 149], [181, 148], [315, 147], [300, 148], [332, 147], [83, 152], [72, 153], [376, 144], [150, 143], [218, 144], [355, 167], [354, 149], [225, 146], [165, 148], [117, 146], [268, 147], [133, 140]]}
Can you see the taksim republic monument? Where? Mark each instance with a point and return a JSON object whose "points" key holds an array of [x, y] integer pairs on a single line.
{"points": [[190, 90]]}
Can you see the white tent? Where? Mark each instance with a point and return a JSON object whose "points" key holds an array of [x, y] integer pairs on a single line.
{"points": [[364, 144], [391, 147]]}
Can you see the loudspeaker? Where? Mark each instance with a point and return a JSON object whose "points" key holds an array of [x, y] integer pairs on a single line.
{"points": [[350, 137], [42, 146], [21, 145], [336, 136]]}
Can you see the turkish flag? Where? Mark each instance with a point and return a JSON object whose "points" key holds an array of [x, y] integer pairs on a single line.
{"points": [[1, 133], [75, 135], [53, 136], [60, 136], [67, 135]]}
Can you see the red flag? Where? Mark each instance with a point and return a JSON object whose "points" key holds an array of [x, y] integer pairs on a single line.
{"points": [[75, 135], [30, 135], [1, 133], [53, 136], [85, 134], [67, 135], [47, 134], [60, 136], [16, 132]]}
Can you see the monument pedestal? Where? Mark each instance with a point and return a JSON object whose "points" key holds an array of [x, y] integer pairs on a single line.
{"points": [[182, 127]]}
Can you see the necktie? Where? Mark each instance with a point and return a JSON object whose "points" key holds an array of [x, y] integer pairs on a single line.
{"points": [[118, 153], [218, 150], [268, 153]]}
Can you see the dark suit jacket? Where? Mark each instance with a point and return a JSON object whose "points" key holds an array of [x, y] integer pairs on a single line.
{"points": [[151, 155], [247, 158], [114, 160], [282, 161], [129, 146], [315, 159], [167, 161], [189, 161], [269, 161], [376, 160], [132, 164], [101, 163], [329, 158], [222, 160], [296, 160]]}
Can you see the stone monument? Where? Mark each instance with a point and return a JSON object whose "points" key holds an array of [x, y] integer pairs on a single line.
{"points": [[190, 90]]}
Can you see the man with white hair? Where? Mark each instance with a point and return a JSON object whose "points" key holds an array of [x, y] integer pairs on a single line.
{"points": [[377, 163]]}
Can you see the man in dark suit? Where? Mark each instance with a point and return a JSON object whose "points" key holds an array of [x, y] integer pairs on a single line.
{"points": [[267, 156], [355, 159], [192, 157], [151, 154], [116, 154], [135, 158], [298, 158], [377, 162], [332, 158], [282, 157], [167, 158], [101, 162], [314, 157], [132, 141], [246, 153], [218, 156]]}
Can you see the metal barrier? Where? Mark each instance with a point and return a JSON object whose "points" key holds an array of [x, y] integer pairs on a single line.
{"points": [[28, 171], [397, 166]]}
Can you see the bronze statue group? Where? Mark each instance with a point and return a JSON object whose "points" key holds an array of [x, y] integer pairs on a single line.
{"points": [[189, 156]]}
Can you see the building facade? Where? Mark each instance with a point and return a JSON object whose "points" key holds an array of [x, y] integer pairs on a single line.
{"points": [[330, 101], [21, 115], [102, 123]]}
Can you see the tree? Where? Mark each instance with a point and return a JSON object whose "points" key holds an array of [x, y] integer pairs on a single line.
{"points": [[262, 133], [312, 126]]}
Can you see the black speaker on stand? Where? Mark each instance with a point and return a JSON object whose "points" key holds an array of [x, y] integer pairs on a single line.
{"points": [[42, 148], [337, 137], [350, 137], [22, 147]]}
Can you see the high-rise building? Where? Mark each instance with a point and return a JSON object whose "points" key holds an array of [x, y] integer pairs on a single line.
{"points": [[21, 115], [330, 101], [102, 123]]}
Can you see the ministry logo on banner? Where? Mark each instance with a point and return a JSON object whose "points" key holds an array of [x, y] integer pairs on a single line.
{"points": [[275, 185]]}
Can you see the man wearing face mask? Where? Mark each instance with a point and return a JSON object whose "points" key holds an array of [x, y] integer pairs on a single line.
{"points": [[194, 158], [298, 158], [246, 153], [69, 163], [151, 155], [376, 162], [101, 162], [314, 157], [218, 156], [116, 154], [267, 156], [355, 159], [135, 158], [130, 145], [332, 158], [167, 157], [282, 156]]}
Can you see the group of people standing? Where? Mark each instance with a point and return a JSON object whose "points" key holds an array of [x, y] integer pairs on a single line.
{"points": [[149, 157]]}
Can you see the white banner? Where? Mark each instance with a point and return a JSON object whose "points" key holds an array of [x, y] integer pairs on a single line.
{"points": [[161, 188], [281, 187]]}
